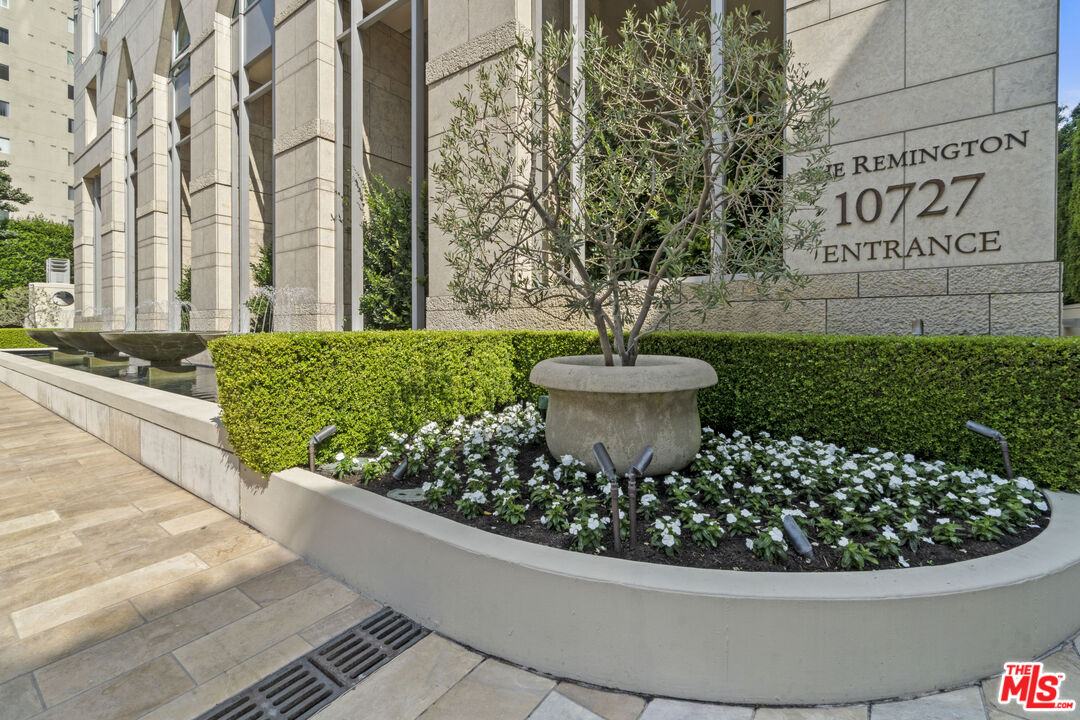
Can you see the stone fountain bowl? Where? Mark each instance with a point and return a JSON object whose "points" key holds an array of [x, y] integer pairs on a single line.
{"points": [[49, 337], [88, 341], [161, 347]]}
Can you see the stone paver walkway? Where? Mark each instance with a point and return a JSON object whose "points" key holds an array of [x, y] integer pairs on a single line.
{"points": [[124, 596]]}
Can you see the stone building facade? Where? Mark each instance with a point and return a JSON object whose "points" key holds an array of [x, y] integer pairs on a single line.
{"points": [[37, 43], [208, 130]]}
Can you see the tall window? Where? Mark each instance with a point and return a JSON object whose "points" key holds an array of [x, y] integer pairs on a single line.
{"points": [[71, 92], [71, 125], [97, 17], [5, 108], [71, 58], [132, 97], [5, 145], [71, 25], [4, 38], [5, 74], [181, 37]]}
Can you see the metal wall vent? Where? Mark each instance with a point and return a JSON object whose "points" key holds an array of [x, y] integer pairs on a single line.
{"points": [[307, 685]]}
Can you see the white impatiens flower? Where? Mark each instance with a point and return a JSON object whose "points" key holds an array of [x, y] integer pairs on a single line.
{"points": [[993, 512], [888, 534], [749, 544], [668, 540], [776, 535], [840, 495], [911, 526], [593, 523], [731, 518], [902, 562], [843, 542], [813, 504], [340, 456], [575, 528], [1024, 484], [698, 518], [745, 513], [1041, 506]]}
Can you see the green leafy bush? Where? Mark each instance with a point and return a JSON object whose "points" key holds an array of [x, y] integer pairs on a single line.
{"points": [[25, 245], [386, 302], [278, 389], [905, 394], [16, 338]]}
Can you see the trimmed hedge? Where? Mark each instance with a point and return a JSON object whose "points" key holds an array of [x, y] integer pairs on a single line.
{"points": [[908, 394], [17, 338]]}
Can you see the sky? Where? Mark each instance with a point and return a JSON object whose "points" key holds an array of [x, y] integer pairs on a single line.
{"points": [[1069, 54]]}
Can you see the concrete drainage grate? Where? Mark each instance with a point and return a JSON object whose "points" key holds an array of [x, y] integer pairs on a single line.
{"points": [[307, 685]]}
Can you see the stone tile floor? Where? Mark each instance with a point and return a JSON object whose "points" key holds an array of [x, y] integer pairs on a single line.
{"points": [[124, 596]]}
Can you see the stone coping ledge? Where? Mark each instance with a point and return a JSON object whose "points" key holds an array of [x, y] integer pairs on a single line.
{"points": [[192, 417], [716, 635]]}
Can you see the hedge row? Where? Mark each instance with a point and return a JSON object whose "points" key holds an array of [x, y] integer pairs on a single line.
{"points": [[16, 338], [907, 394]]}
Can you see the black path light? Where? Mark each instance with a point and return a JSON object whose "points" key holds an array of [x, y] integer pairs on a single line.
{"points": [[327, 432], [993, 434], [608, 467], [637, 471], [798, 538]]}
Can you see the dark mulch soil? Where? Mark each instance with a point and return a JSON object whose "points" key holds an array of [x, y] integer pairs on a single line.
{"points": [[731, 553]]}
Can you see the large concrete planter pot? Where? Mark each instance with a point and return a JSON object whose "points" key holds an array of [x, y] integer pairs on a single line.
{"points": [[626, 408]]}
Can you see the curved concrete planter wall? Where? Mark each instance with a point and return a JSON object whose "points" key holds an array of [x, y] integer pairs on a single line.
{"points": [[769, 638]]}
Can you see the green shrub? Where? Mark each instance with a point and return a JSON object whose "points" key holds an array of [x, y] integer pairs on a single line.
{"points": [[16, 338], [278, 389], [905, 394], [25, 245]]}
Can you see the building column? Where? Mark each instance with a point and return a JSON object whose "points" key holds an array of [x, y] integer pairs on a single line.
{"points": [[304, 183], [211, 183], [113, 238], [84, 257], [151, 215]]}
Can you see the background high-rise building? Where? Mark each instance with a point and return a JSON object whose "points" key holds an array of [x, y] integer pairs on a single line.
{"points": [[37, 109]]}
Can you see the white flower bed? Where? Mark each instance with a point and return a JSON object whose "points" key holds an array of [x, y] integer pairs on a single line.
{"points": [[871, 507]]}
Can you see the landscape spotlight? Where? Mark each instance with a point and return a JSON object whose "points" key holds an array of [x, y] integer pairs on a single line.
{"points": [[326, 432], [996, 436], [637, 470], [608, 467], [798, 538], [399, 471]]}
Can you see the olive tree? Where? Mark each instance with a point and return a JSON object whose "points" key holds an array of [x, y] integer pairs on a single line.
{"points": [[639, 184]]}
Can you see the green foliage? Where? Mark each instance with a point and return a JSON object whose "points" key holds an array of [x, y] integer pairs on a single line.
{"points": [[1068, 209], [16, 338], [262, 275], [11, 197], [278, 389], [905, 394], [25, 245], [183, 295], [387, 299]]}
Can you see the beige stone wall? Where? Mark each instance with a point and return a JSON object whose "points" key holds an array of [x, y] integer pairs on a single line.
{"points": [[387, 118], [905, 76], [211, 179], [39, 108], [952, 105], [304, 158]]}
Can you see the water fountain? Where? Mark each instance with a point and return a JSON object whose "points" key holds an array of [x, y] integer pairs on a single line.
{"points": [[281, 309], [89, 341]]}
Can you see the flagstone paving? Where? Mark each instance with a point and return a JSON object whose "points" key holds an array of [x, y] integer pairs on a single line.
{"points": [[123, 596]]}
